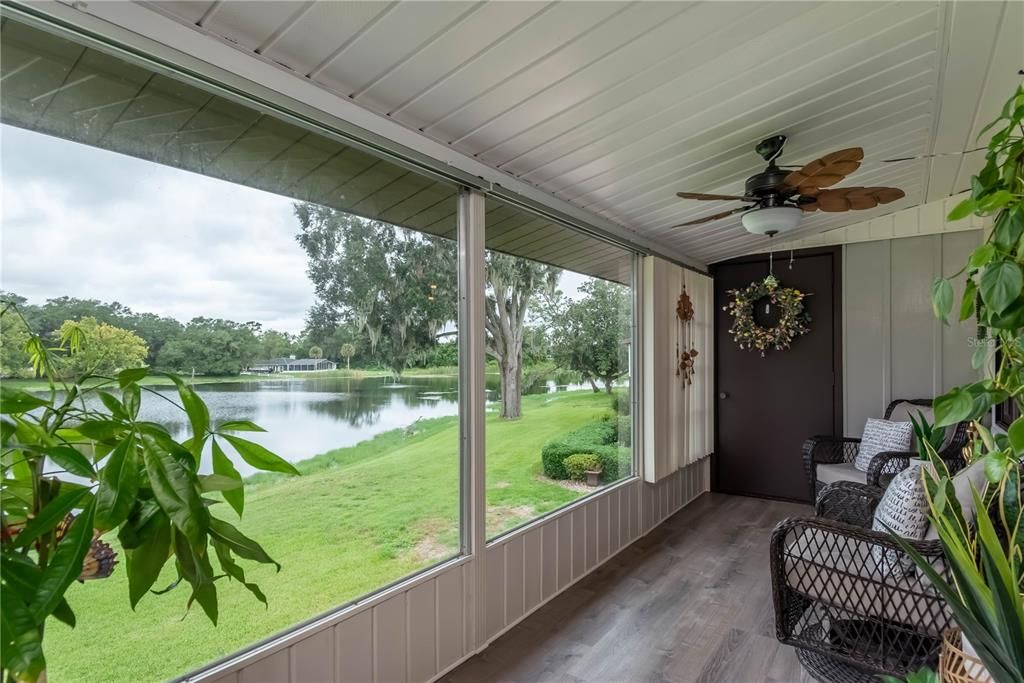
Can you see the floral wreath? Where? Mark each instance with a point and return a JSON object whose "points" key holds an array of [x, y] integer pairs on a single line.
{"points": [[793, 321]]}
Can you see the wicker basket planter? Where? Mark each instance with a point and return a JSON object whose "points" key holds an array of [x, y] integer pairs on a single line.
{"points": [[958, 666]]}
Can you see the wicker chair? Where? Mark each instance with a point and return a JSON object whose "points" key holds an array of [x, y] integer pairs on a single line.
{"points": [[829, 459], [850, 616]]}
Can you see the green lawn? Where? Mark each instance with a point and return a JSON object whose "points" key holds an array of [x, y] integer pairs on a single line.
{"points": [[357, 519]]}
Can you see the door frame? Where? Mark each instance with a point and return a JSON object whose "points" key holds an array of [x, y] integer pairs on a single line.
{"points": [[836, 252]]}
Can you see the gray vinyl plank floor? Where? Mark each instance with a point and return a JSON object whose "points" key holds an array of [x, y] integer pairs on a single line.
{"points": [[691, 601]]}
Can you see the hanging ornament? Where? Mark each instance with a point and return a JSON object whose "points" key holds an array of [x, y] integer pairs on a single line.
{"points": [[793, 320], [687, 357]]}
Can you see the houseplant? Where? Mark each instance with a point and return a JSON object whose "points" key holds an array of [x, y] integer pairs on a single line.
{"points": [[79, 464], [986, 560]]}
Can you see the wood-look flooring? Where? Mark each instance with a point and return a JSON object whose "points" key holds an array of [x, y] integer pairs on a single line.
{"points": [[691, 601]]}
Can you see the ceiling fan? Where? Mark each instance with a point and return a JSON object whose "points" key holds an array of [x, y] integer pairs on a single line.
{"points": [[780, 197]]}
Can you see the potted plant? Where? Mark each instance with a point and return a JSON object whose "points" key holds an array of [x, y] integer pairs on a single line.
{"points": [[986, 559], [79, 465], [584, 466]]}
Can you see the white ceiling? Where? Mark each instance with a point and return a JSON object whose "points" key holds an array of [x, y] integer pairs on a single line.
{"points": [[615, 106]]}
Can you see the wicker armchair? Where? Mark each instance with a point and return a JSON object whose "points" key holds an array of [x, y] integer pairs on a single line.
{"points": [[850, 616], [836, 454]]}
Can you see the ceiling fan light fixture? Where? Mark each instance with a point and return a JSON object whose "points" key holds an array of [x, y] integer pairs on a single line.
{"points": [[772, 220]]}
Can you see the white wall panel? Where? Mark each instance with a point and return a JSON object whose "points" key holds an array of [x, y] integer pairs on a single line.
{"points": [[450, 627], [270, 669], [515, 594], [893, 347], [421, 627], [390, 635], [353, 643], [312, 659], [533, 568]]}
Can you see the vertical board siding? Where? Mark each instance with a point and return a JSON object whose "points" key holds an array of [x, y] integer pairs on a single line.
{"points": [[419, 632], [312, 659], [893, 347], [421, 620]]}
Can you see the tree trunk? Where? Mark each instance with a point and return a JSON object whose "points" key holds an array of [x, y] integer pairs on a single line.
{"points": [[348, 361], [608, 384], [593, 385], [511, 391]]}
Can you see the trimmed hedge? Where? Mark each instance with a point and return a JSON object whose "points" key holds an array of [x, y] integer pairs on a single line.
{"points": [[597, 438]]}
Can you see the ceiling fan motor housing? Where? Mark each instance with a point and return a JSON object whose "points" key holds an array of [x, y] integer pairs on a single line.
{"points": [[768, 184]]}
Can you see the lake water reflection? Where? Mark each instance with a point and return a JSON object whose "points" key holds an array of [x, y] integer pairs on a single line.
{"points": [[306, 417]]}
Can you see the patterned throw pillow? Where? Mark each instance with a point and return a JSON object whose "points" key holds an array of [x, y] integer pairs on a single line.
{"points": [[903, 511], [881, 436]]}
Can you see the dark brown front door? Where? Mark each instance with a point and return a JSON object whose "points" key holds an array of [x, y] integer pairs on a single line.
{"points": [[766, 407]]}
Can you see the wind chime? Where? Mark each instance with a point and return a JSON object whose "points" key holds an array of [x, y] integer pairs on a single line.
{"points": [[686, 354]]}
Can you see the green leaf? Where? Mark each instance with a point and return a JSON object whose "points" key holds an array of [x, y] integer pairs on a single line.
{"points": [[1001, 284], [22, 641], [113, 405], [235, 571], [996, 200], [132, 533], [176, 490], [1007, 230], [982, 255], [131, 395], [99, 430], [23, 575], [16, 401], [979, 355], [198, 414], [50, 516], [65, 564], [995, 466], [130, 376], [1016, 434], [119, 486], [146, 560], [259, 457], [196, 569], [962, 210], [240, 426], [952, 407], [223, 466], [71, 461], [240, 544], [942, 298]]}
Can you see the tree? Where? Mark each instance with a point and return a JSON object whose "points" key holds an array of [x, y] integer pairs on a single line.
{"points": [[156, 330], [274, 344], [316, 352], [395, 286], [591, 336], [512, 284], [14, 335], [210, 346], [347, 351], [106, 349]]}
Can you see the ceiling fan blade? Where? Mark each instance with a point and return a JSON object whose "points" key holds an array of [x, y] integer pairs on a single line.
{"points": [[810, 207], [856, 198], [711, 197], [715, 216], [828, 170]]}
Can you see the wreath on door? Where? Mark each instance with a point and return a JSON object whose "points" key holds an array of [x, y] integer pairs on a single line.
{"points": [[793, 320]]}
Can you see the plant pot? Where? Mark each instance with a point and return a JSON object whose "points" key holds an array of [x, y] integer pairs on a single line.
{"points": [[593, 477], [959, 662]]}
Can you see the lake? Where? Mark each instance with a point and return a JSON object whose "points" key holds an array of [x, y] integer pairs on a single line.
{"points": [[305, 417]]}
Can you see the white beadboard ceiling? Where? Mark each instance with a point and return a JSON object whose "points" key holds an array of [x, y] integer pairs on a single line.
{"points": [[615, 106]]}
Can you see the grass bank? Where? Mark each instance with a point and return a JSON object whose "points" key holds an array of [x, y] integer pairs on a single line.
{"points": [[357, 519], [159, 380]]}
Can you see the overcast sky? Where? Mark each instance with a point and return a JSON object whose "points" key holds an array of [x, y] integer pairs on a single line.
{"points": [[88, 223]]}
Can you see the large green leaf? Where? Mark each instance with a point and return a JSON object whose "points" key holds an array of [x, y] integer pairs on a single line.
{"points": [[50, 516], [22, 640], [240, 426], [130, 376], [195, 408], [942, 298], [131, 396], [259, 457], [71, 460], [223, 466], [196, 569], [967, 302], [119, 486], [176, 489], [17, 401], [147, 559], [235, 571], [1016, 435], [952, 407], [1001, 284], [962, 210], [112, 404], [64, 565], [240, 544], [22, 575]]}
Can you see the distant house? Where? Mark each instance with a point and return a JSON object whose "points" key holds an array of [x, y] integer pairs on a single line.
{"points": [[292, 365]]}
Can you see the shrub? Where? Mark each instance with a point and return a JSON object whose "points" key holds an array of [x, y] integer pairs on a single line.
{"points": [[625, 427], [620, 402], [578, 464], [597, 438]]}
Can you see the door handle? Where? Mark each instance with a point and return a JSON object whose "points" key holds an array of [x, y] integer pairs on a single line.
{"points": [[722, 395]]}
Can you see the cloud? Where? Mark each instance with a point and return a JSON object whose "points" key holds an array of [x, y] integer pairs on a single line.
{"points": [[89, 223]]}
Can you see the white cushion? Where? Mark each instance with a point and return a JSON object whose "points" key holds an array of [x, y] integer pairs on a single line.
{"points": [[881, 436], [973, 474], [903, 511], [840, 471]]}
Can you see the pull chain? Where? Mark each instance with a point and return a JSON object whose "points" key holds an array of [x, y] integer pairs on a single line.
{"points": [[791, 259], [771, 272]]}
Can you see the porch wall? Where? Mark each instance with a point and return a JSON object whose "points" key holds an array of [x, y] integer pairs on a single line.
{"points": [[893, 346], [424, 627]]}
